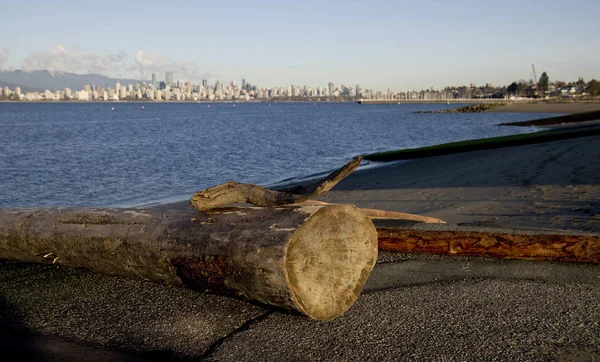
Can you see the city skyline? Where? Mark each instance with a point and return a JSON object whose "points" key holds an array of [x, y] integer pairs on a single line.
{"points": [[394, 44], [180, 90]]}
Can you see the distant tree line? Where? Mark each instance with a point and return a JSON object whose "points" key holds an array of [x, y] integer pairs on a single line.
{"points": [[543, 87]]}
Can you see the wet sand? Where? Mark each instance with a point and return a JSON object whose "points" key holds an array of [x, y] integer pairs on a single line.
{"points": [[547, 185], [550, 107]]}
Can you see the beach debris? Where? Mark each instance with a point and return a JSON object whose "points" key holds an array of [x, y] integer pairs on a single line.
{"points": [[237, 193], [310, 259], [500, 243]]}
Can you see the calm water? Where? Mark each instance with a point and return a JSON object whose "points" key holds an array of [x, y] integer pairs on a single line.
{"points": [[86, 154]]}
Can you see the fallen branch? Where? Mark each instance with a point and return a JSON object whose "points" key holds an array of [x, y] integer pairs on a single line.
{"points": [[237, 193]]}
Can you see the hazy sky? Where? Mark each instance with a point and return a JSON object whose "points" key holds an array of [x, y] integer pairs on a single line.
{"points": [[379, 44]]}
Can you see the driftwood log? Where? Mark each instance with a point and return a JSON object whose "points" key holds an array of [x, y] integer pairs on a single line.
{"points": [[312, 259], [544, 245], [238, 193]]}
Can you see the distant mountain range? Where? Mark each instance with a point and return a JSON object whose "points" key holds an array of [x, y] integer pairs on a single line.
{"points": [[40, 80]]}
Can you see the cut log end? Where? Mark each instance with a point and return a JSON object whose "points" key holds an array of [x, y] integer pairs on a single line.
{"points": [[329, 259]]}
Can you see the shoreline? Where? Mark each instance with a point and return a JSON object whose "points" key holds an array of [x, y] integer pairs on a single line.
{"points": [[573, 130], [377, 166], [563, 107], [574, 118], [548, 185], [465, 187], [443, 101], [513, 106]]}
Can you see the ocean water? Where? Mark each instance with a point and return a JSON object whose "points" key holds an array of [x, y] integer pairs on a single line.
{"points": [[88, 154]]}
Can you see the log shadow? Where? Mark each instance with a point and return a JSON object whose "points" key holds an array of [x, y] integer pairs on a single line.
{"points": [[15, 337]]}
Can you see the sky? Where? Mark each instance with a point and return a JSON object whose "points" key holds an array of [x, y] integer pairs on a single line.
{"points": [[401, 45]]}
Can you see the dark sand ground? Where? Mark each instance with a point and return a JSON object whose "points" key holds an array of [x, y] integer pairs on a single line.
{"points": [[547, 185], [414, 307]]}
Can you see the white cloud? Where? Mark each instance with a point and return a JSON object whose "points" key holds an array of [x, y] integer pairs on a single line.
{"points": [[60, 58], [119, 64], [148, 63], [3, 58]]}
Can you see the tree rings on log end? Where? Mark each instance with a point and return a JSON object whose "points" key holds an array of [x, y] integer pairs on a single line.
{"points": [[328, 260]]}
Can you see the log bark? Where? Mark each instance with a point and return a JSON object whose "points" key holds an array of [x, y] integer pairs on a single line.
{"points": [[528, 246], [312, 259]]}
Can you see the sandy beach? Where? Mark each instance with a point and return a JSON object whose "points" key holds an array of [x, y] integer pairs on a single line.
{"points": [[548, 185], [565, 107]]}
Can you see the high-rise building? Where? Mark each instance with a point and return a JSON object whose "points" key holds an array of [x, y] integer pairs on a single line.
{"points": [[169, 78], [243, 83], [331, 88], [82, 95], [358, 90], [118, 87], [205, 83], [154, 80]]}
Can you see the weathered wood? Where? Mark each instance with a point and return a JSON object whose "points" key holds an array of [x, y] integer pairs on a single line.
{"points": [[384, 214], [238, 193], [571, 248], [313, 259]]}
